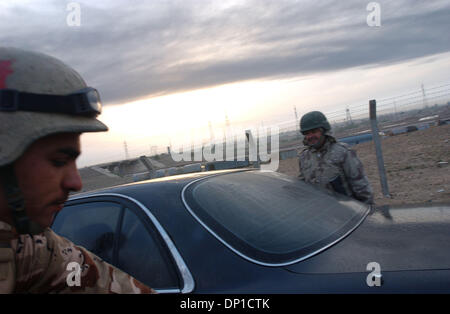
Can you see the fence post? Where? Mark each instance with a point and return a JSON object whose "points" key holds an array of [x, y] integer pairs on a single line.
{"points": [[376, 140]]}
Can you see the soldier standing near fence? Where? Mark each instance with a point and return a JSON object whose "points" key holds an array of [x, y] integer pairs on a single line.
{"points": [[330, 164], [44, 107]]}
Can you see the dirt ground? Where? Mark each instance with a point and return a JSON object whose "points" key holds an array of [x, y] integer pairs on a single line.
{"points": [[416, 166]]}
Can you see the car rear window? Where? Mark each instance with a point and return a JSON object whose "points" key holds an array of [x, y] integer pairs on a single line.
{"points": [[270, 218]]}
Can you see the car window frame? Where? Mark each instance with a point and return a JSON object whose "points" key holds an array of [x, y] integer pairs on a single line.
{"points": [[152, 235], [183, 273], [117, 227]]}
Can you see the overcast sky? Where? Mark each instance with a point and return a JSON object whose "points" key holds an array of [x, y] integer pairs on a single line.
{"points": [[132, 49], [300, 53]]}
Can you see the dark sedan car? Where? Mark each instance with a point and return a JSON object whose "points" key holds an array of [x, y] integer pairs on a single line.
{"points": [[252, 231]]}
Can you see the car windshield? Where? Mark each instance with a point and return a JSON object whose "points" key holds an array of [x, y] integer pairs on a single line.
{"points": [[272, 218]]}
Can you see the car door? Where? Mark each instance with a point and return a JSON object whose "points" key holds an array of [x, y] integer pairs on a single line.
{"points": [[124, 233]]}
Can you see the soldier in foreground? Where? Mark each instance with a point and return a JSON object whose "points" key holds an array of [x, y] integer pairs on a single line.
{"points": [[331, 164], [44, 107]]}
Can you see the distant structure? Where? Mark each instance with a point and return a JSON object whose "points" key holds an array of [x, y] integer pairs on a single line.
{"points": [[348, 116], [227, 130], [211, 132], [395, 109], [227, 121], [125, 146], [169, 148], [424, 97], [297, 124]]}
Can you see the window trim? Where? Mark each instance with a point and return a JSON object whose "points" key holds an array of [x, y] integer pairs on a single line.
{"points": [[251, 259], [188, 280], [116, 228]]}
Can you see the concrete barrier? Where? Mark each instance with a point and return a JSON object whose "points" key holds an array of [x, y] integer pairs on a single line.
{"points": [[141, 176], [356, 139], [160, 173], [287, 154], [192, 168], [221, 165], [174, 171]]}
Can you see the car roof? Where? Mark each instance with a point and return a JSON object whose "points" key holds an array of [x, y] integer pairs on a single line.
{"points": [[181, 179], [166, 199]]}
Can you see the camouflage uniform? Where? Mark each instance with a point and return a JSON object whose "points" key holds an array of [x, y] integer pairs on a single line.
{"points": [[38, 264], [336, 167], [41, 96]]}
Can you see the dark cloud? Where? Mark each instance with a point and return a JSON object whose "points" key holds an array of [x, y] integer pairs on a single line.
{"points": [[131, 49]]}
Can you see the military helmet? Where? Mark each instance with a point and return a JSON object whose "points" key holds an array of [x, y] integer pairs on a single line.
{"points": [[40, 96], [314, 120]]}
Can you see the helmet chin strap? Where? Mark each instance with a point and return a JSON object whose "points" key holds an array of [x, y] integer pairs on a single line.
{"points": [[16, 203]]}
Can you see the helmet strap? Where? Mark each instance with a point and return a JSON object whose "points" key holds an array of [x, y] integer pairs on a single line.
{"points": [[16, 203]]}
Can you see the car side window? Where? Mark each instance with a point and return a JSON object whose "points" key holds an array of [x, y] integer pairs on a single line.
{"points": [[142, 255], [90, 225]]}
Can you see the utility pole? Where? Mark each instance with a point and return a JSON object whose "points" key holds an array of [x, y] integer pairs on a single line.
{"points": [[211, 132], [425, 104], [227, 121], [348, 116], [395, 109], [227, 127], [228, 141], [297, 125], [169, 148], [127, 156], [212, 139]]}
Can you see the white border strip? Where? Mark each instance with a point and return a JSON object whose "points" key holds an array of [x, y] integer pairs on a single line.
{"points": [[188, 280]]}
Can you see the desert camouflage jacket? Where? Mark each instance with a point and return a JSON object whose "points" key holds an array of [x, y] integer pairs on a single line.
{"points": [[336, 167], [48, 263]]}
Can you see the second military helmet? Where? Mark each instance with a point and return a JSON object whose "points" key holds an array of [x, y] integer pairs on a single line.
{"points": [[314, 120]]}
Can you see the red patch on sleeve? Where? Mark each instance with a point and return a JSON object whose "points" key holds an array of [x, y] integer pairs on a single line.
{"points": [[5, 70]]}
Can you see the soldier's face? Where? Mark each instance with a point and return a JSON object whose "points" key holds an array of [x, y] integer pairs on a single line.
{"points": [[46, 173], [313, 137]]}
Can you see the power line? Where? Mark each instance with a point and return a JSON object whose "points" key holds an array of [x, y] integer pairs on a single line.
{"points": [[423, 95]]}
